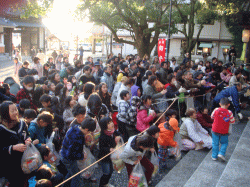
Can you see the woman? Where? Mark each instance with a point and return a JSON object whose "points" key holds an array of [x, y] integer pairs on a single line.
{"points": [[145, 79], [55, 78], [105, 96], [89, 88], [37, 66], [14, 141], [150, 89], [68, 116]]}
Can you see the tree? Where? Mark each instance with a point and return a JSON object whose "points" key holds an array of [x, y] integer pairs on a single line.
{"points": [[190, 15], [232, 12], [28, 8], [143, 19]]}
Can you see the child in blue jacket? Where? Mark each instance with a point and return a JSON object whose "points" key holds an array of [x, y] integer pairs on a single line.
{"points": [[72, 148]]}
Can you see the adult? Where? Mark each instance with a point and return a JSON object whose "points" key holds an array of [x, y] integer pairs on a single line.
{"points": [[237, 77], [186, 58], [58, 63], [173, 63], [192, 133], [87, 76], [33, 52], [37, 66], [14, 87], [97, 72], [89, 88], [55, 78], [164, 72], [123, 72], [54, 55], [14, 141], [232, 54], [145, 79], [64, 73], [24, 70], [150, 89], [41, 56], [18, 66], [125, 86], [108, 78], [81, 53]]}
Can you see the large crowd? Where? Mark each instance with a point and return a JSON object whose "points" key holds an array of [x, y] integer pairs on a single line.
{"points": [[58, 118]]}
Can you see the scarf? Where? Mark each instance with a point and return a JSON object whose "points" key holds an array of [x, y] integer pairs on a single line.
{"points": [[109, 133]]}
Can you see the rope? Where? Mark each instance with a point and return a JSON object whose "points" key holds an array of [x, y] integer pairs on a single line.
{"points": [[174, 99], [112, 151]]}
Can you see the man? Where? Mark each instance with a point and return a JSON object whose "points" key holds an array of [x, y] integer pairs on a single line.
{"points": [[173, 64], [17, 66], [190, 82], [97, 72], [65, 62], [87, 76], [164, 72], [132, 68], [54, 55], [186, 59], [24, 70], [81, 53], [59, 63], [18, 55], [153, 68], [232, 54], [108, 78], [237, 78], [232, 92], [33, 52], [214, 63], [64, 73]]}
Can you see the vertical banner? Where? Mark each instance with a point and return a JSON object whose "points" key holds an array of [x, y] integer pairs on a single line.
{"points": [[161, 49]]}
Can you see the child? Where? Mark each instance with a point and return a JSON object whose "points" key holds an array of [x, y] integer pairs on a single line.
{"points": [[204, 119], [27, 92], [123, 106], [134, 153], [38, 126], [45, 100], [167, 131], [220, 129], [23, 104], [72, 149], [108, 140], [51, 87], [29, 115], [145, 114], [46, 154]]}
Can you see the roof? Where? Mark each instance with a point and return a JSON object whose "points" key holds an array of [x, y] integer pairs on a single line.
{"points": [[20, 22]]}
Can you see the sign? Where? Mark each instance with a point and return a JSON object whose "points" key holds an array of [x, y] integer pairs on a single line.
{"points": [[161, 49]]}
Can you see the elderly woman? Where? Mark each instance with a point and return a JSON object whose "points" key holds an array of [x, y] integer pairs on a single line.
{"points": [[192, 133], [14, 140]]}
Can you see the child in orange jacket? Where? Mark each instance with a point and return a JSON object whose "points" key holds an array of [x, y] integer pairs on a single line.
{"points": [[166, 139]]}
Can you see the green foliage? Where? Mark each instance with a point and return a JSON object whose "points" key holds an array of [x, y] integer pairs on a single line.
{"points": [[34, 8], [142, 18]]}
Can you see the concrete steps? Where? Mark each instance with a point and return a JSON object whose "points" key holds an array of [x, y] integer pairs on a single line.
{"points": [[198, 169]]}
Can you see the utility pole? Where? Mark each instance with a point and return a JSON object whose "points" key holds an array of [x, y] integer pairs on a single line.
{"points": [[111, 43], [169, 24]]}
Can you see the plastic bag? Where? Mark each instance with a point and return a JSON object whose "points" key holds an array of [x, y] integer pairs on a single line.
{"points": [[174, 150], [155, 161], [115, 157], [137, 177], [55, 159], [31, 159], [90, 159]]}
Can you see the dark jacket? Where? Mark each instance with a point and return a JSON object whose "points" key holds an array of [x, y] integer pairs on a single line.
{"points": [[14, 87], [163, 75], [231, 91], [72, 148], [23, 72], [10, 158], [105, 143], [85, 79]]}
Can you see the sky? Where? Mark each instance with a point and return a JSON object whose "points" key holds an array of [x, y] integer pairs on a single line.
{"points": [[61, 22]]}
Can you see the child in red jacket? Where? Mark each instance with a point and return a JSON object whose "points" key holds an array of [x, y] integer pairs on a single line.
{"points": [[220, 129]]}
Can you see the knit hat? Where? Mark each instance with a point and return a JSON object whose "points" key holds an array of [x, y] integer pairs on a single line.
{"points": [[174, 124]]}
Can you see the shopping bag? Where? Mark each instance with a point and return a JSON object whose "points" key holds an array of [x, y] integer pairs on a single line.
{"points": [[118, 163], [155, 161], [90, 159], [31, 159], [137, 177], [55, 159], [176, 151]]}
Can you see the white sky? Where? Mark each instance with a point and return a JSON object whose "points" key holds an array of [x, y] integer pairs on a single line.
{"points": [[61, 21]]}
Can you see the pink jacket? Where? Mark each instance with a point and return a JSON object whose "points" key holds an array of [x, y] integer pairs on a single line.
{"points": [[143, 120]]}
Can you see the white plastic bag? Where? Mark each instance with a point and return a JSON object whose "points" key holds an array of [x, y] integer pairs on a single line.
{"points": [[137, 177], [55, 159], [115, 157], [90, 159], [31, 159], [176, 151], [155, 161]]}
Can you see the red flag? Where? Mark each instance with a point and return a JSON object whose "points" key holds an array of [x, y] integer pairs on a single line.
{"points": [[161, 49]]}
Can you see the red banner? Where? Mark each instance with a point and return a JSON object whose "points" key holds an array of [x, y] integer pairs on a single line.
{"points": [[161, 49]]}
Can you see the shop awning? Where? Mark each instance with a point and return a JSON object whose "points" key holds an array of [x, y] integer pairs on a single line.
{"points": [[207, 45], [225, 47]]}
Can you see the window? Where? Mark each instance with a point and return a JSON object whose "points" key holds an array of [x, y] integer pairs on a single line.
{"points": [[204, 48]]}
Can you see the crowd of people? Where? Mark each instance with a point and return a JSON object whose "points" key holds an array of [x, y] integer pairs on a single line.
{"points": [[95, 105]]}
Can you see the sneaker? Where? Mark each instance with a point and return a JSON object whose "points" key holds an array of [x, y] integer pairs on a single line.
{"points": [[93, 180], [214, 159], [222, 158]]}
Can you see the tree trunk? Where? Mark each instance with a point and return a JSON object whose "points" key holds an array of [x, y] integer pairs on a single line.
{"points": [[142, 44]]}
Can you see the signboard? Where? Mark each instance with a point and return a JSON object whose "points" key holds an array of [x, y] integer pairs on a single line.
{"points": [[161, 49]]}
